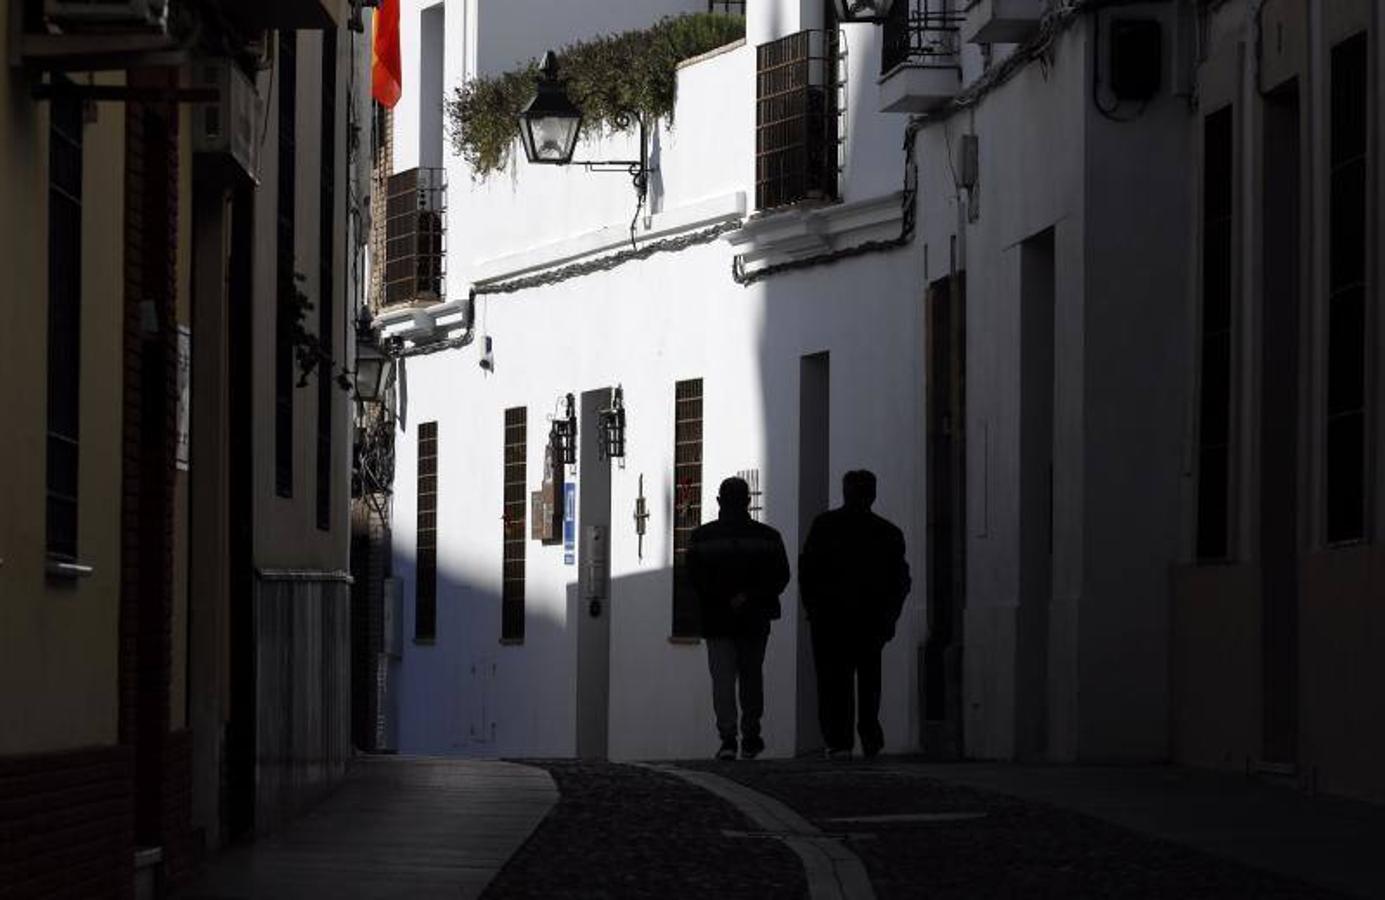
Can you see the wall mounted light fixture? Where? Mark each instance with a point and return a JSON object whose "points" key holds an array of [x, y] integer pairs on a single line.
{"points": [[550, 124]]}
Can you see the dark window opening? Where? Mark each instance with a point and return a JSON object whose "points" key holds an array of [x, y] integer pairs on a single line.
{"points": [[1348, 317], [415, 232], [426, 540], [729, 7], [326, 300], [286, 275], [1214, 389], [514, 520], [687, 493], [64, 324]]}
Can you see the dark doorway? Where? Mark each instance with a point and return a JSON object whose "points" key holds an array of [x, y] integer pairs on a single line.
{"points": [[1279, 431], [1037, 289], [941, 666], [814, 490], [593, 580]]}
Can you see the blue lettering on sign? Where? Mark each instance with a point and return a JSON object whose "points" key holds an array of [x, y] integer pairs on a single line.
{"points": [[569, 524]]}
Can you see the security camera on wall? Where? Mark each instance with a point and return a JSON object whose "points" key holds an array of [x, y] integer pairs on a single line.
{"points": [[487, 357]]}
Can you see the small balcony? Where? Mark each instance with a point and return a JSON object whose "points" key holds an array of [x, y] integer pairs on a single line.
{"points": [[1001, 21], [920, 59], [415, 238]]}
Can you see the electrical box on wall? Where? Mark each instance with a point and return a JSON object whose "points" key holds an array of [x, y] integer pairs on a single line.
{"points": [[1137, 58]]}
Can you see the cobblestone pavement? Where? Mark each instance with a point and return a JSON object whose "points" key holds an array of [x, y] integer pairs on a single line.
{"points": [[622, 831]]}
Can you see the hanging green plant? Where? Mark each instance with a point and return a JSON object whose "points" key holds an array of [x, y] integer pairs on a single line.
{"points": [[608, 77]]}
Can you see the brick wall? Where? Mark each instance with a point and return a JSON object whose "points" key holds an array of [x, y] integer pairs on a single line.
{"points": [[67, 825]]}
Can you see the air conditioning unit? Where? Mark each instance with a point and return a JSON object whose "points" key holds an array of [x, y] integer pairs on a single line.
{"points": [[89, 15], [229, 125]]}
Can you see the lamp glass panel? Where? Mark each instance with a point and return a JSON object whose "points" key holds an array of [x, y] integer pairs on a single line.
{"points": [[369, 372], [863, 10], [551, 138]]}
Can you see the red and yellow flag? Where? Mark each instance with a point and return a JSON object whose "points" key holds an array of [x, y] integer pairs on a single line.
{"points": [[386, 71]]}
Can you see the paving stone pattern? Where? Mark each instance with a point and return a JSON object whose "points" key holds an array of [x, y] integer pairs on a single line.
{"points": [[1017, 849], [623, 831]]}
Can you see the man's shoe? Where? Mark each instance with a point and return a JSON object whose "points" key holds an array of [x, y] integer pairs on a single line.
{"points": [[728, 749], [752, 747], [839, 754]]}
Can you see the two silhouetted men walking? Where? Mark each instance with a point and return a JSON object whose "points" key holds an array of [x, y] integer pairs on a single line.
{"points": [[853, 579], [738, 569]]}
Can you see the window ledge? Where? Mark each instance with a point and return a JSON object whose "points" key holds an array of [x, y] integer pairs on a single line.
{"points": [[684, 640], [425, 642], [68, 569], [797, 232], [512, 642]]}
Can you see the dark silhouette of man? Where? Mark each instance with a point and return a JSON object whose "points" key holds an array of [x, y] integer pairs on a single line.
{"points": [[853, 579], [738, 569]]}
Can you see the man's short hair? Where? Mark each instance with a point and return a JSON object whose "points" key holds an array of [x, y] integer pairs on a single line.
{"points": [[734, 493], [858, 486]]}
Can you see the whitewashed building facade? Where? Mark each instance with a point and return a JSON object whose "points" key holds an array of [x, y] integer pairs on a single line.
{"points": [[1000, 310]]}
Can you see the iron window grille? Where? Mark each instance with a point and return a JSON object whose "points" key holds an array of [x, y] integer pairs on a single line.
{"points": [[415, 236], [922, 33], [512, 576], [1217, 338], [757, 496], [426, 564], [285, 264], [327, 213], [1349, 323], [729, 7], [798, 108], [64, 325], [687, 500]]}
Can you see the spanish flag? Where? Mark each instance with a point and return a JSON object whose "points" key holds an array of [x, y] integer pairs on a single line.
{"points": [[385, 68]]}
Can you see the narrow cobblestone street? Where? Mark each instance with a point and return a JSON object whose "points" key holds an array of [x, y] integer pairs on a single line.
{"points": [[890, 828]]}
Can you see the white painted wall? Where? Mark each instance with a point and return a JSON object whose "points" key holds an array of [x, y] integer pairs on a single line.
{"points": [[646, 325]]}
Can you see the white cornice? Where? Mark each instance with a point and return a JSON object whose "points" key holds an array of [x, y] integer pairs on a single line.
{"points": [[803, 231], [669, 223]]}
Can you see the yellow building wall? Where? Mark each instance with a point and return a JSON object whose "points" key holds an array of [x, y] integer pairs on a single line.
{"points": [[58, 641]]}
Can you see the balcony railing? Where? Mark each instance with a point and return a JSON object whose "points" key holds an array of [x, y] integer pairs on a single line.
{"points": [[797, 119], [922, 33], [415, 232]]}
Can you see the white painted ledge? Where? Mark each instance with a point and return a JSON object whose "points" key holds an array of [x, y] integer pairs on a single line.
{"points": [[803, 231], [670, 223]]}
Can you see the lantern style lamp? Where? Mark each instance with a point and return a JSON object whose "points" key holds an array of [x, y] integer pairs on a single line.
{"points": [[372, 364], [549, 123], [872, 11], [613, 426]]}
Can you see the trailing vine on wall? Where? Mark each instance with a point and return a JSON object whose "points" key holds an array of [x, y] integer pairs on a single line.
{"points": [[633, 72]]}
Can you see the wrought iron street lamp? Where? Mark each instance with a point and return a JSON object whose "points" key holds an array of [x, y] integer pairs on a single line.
{"points": [[563, 433], [873, 11], [550, 124], [373, 365]]}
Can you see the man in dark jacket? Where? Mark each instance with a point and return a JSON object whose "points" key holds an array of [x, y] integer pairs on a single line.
{"points": [[853, 579], [738, 569]]}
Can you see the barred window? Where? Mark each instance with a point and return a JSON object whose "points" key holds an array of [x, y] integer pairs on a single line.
{"points": [[64, 323], [512, 580], [1214, 393], [326, 301], [285, 271], [687, 510], [426, 564], [796, 119], [730, 7], [1348, 324]]}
